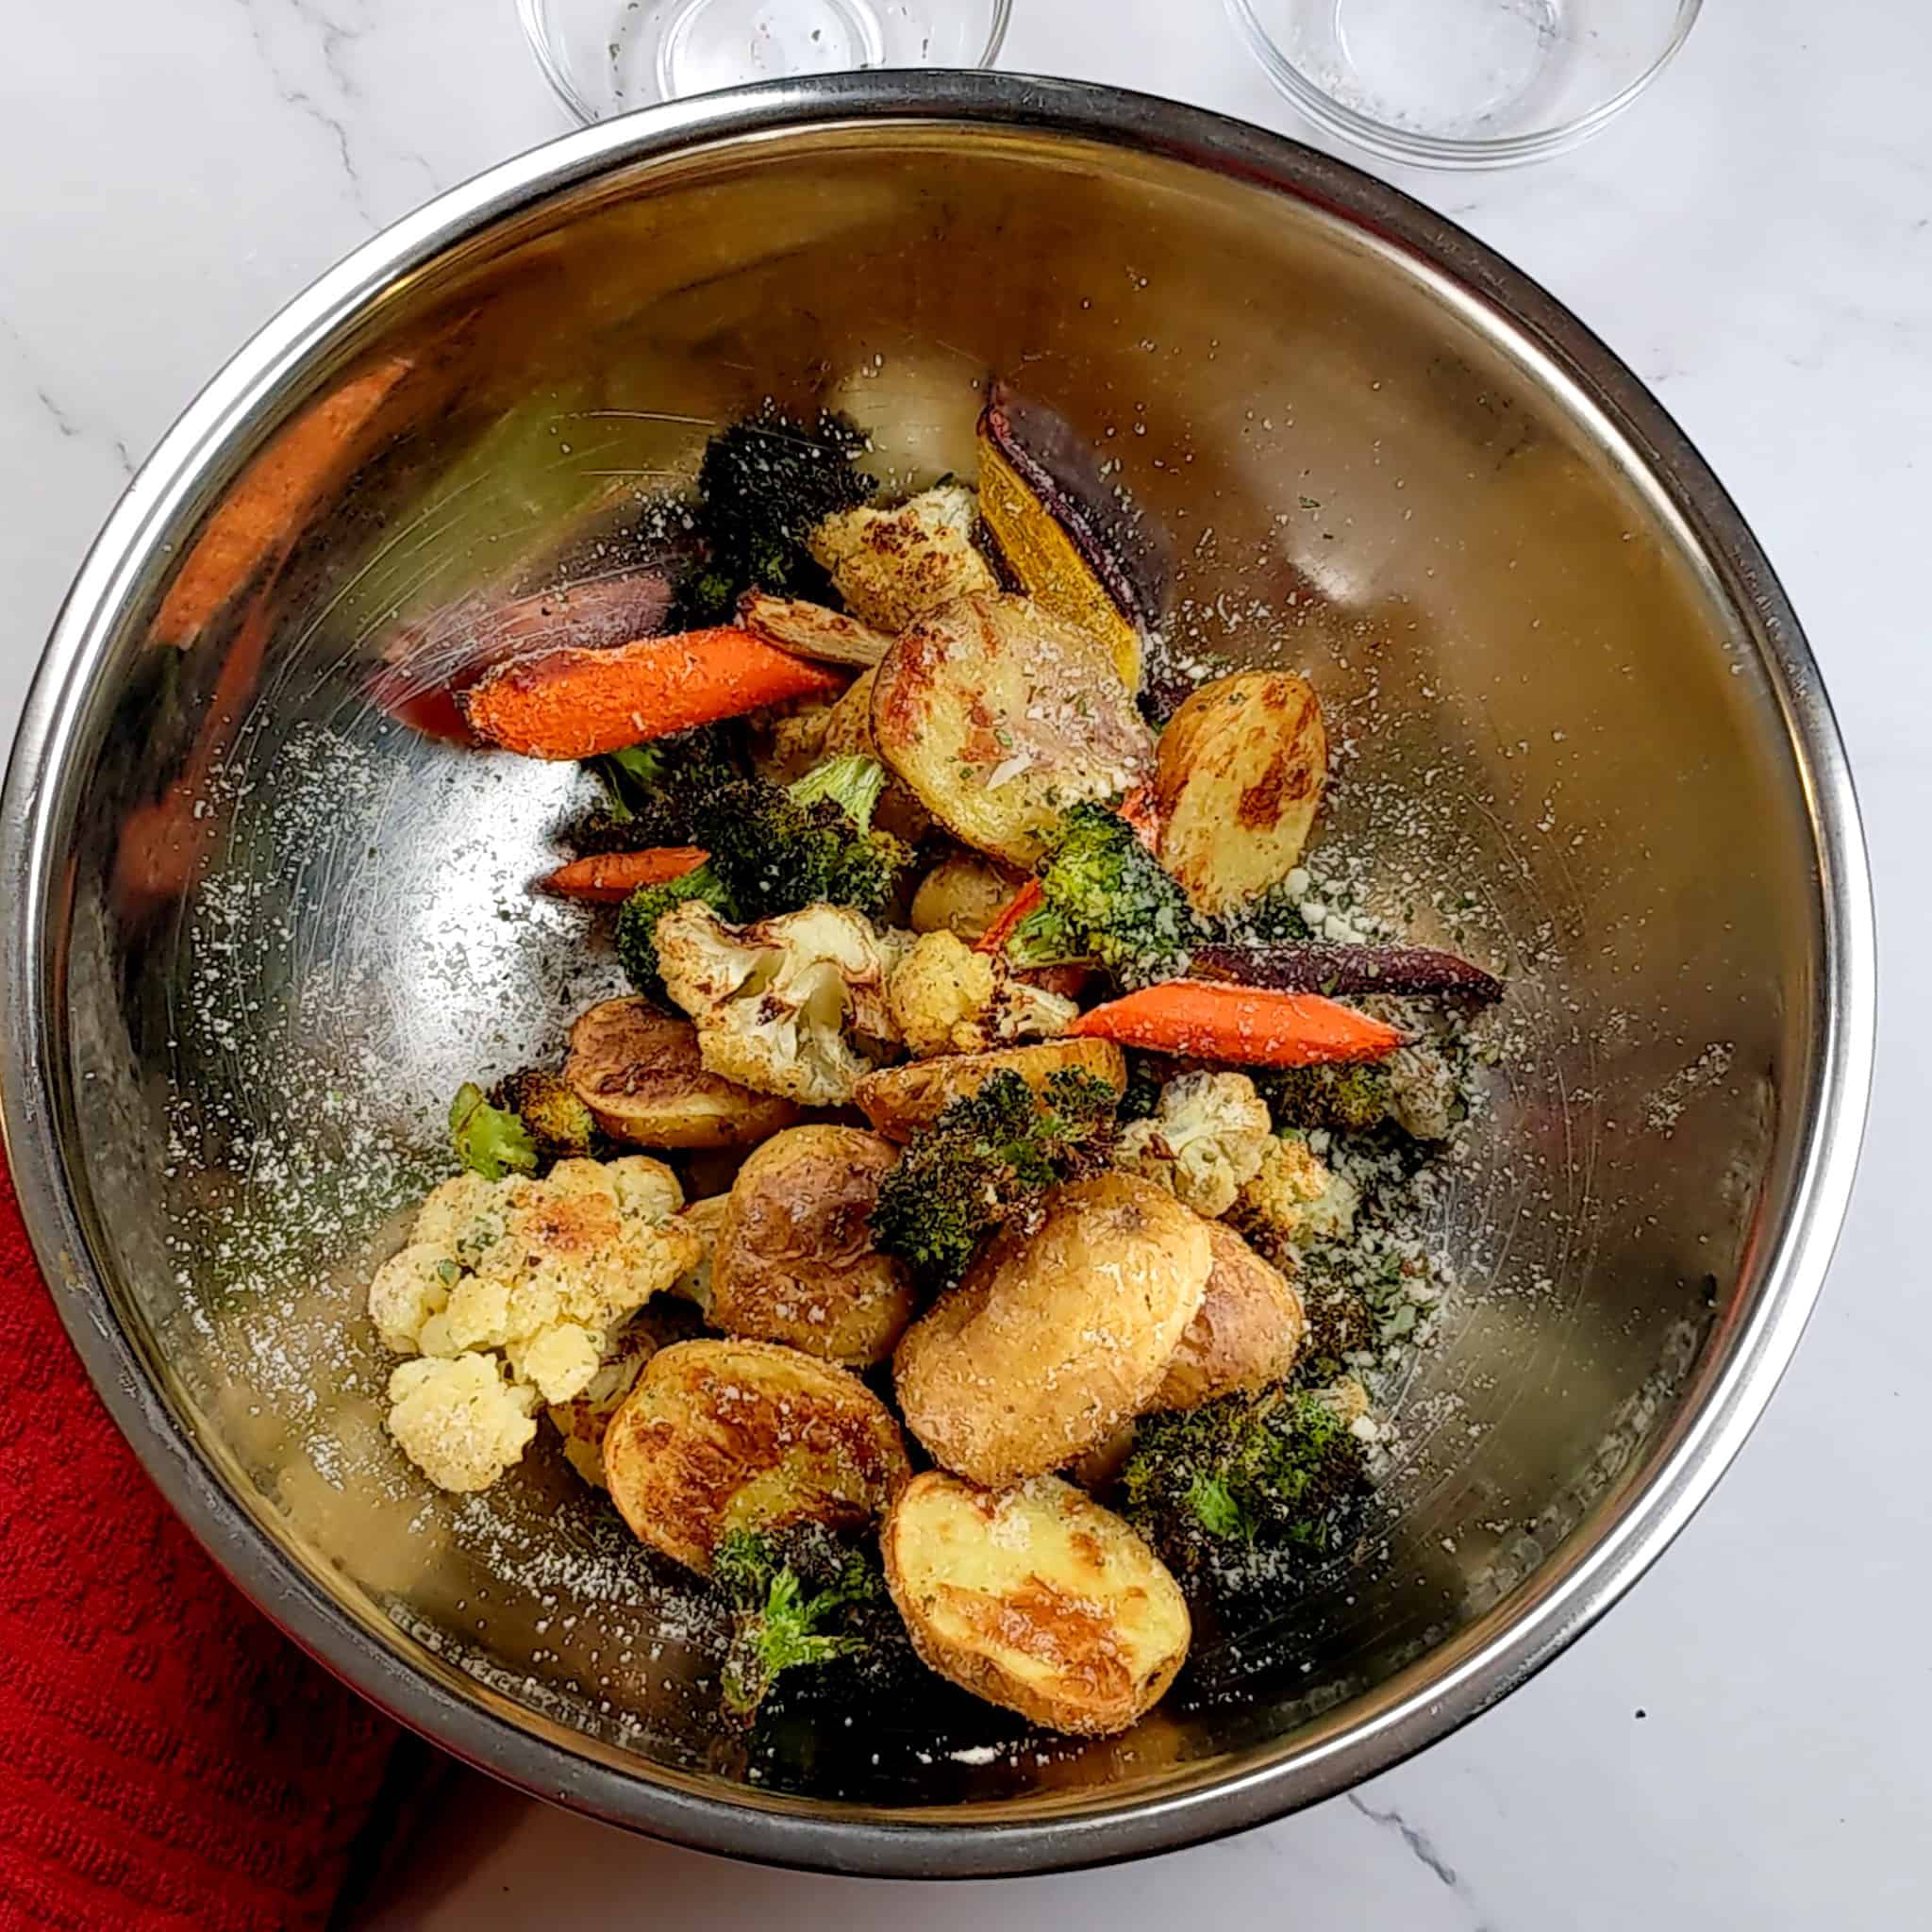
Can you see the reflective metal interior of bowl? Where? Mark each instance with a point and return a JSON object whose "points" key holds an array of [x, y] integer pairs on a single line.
{"points": [[294, 923]]}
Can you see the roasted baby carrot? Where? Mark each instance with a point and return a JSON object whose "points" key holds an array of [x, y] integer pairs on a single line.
{"points": [[577, 704], [1240, 1025], [429, 663], [606, 879], [1007, 922]]}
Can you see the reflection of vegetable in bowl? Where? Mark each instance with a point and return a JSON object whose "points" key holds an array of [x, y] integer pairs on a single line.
{"points": [[920, 1038]]}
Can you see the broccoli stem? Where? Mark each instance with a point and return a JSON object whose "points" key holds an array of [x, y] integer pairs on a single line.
{"points": [[853, 782]]}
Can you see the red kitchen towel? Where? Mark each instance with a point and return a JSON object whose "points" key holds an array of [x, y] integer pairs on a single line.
{"points": [[167, 1757]]}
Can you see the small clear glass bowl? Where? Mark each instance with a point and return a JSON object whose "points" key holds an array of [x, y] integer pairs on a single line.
{"points": [[1464, 83], [607, 56]]}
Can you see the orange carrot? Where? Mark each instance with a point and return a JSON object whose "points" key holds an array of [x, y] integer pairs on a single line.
{"points": [[1240, 1025], [426, 665], [994, 940], [266, 507], [577, 704], [1136, 807], [1139, 810], [607, 877]]}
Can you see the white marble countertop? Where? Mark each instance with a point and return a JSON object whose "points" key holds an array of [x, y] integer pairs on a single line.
{"points": [[1742, 1743]]}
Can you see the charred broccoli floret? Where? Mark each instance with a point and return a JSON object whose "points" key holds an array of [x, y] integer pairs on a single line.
{"points": [[526, 1120], [557, 1123], [764, 485], [490, 1141], [1145, 1078], [1250, 1494], [801, 1598], [653, 792], [635, 937], [987, 1158], [778, 850], [1106, 898], [772, 850], [1350, 1098]]}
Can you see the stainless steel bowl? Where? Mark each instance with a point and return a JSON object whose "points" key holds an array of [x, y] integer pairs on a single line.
{"points": [[256, 931]]}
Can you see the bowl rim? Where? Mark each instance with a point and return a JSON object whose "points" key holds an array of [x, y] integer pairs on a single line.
{"points": [[1419, 1705]]}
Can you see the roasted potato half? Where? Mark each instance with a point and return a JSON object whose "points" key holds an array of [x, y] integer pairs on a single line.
{"points": [[963, 894], [718, 1436], [999, 715], [898, 1100], [898, 810], [1057, 1335], [795, 1260], [1242, 767], [1037, 1600], [640, 1074], [1246, 1334]]}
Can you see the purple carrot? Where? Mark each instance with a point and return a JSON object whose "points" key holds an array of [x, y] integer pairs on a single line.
{"points": [[1319, 967]]}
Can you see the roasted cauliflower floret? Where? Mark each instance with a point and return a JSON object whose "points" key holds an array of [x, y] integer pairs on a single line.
{"points": [[893, 565], [1295, 1198], [794, 1006], [411, 1289], [576, 1253], [1205, 1142], [584, 1419], [944, 997], [788, 740], [540, 1272], [459, 1421]]}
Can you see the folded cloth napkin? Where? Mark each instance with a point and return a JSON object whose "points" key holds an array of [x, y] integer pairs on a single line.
{"points": [[167, 1757]]}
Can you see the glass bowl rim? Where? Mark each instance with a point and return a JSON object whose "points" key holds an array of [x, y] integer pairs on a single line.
{"points": [[535, 17], [1437, 150]]}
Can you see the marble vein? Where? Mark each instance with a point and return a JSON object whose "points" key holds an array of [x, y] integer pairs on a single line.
{"points": [[1421, 1846], [66, 420]]}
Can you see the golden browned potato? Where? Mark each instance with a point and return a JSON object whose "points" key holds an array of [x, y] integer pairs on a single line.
{"points": [[898, 1100], [849, 730], [1057, 1335], [1246, 1334], [810, 630], [1242, 767], [640, 1074], [1000, 715], [719, 1436], [963, 893], [1037, 1600], [795, 1260]]}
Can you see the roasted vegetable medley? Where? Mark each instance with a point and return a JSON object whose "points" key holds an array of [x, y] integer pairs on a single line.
{"points": [[1059, 1117]]}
